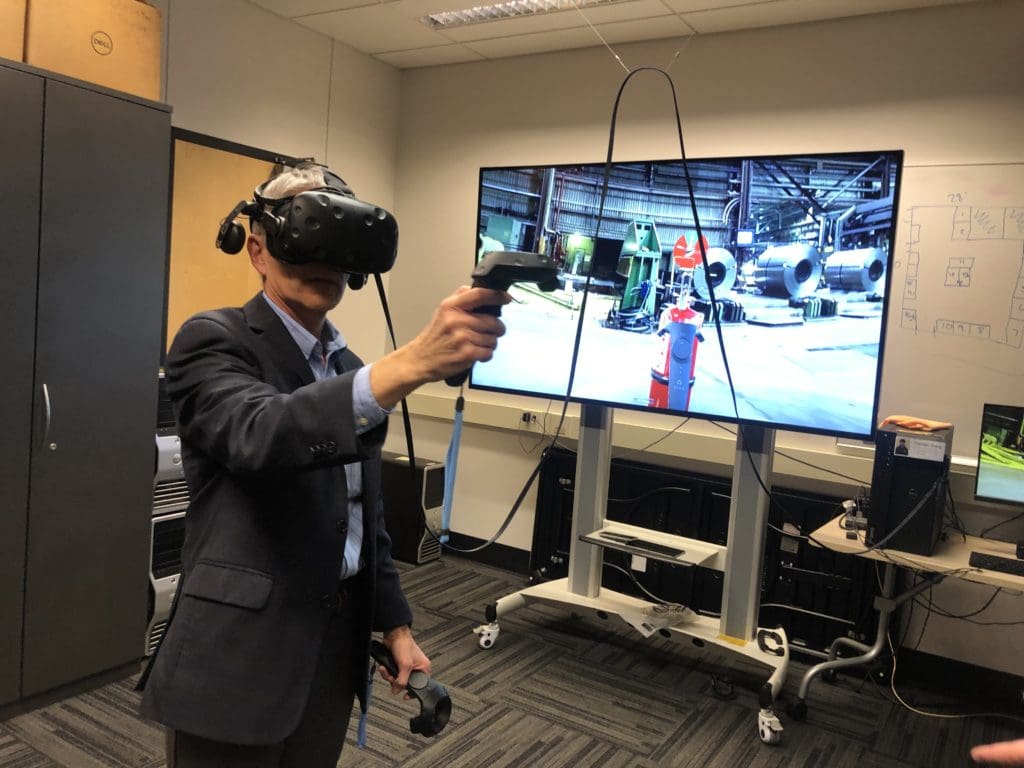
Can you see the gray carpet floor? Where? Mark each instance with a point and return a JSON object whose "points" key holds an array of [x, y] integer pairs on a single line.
{"points": [[557, 691]]}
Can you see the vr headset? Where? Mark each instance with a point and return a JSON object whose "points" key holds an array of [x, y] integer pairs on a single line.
{"points": [[328, 224]]}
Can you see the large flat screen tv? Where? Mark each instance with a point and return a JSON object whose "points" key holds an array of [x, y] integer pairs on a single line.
{"points": [[1001, 454], [799, 251]]}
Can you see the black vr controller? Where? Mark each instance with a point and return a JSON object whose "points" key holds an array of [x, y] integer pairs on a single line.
{"points": [[500, 269], [435, 703]]}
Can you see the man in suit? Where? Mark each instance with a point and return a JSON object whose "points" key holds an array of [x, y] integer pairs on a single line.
{"points": [[286, 566]]}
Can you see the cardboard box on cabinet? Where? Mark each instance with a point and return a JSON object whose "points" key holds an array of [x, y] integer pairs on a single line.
{"points": [[12, 29], [115, 43]]}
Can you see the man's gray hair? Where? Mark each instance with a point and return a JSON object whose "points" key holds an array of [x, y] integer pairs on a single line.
{"points": [[288, 183], [292, 181]]}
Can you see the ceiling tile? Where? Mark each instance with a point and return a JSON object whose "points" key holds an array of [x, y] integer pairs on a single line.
{"points": [[636, 30], [374, 29], [291, 9], [688, 6], [391, 30], [539, 42], [778, 12], [429, 57], [545, 22], [582, 37]]}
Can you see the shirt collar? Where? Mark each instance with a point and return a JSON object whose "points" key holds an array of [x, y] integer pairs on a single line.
{"points": [[331, 339]]}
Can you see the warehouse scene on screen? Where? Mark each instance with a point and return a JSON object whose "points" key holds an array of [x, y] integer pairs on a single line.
{"points": [[798, 250]]}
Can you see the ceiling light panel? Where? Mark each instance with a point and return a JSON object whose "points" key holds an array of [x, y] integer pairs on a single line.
{"points": [[582, 19], [508, 10]]}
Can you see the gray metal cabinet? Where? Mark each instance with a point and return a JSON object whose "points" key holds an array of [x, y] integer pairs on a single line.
{"points": [[21, 128], [84, 191]]}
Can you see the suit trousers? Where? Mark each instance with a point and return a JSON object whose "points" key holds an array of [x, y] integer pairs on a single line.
{"points": [[320, 735]]}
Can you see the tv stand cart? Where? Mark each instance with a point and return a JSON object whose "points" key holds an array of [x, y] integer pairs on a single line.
{"points": [[740, 561]]}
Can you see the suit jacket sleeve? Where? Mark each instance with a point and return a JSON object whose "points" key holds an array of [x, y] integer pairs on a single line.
{"points": [[227, 409]]}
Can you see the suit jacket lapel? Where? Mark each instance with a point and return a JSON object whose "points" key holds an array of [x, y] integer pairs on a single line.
{"points": [[279, 342]]}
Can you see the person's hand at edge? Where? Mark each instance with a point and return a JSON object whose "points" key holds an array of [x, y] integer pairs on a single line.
{"points": [[999, 753]]}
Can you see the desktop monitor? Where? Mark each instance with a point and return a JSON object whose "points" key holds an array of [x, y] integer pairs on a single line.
{"points": [[1000, 474], [799, 253]]}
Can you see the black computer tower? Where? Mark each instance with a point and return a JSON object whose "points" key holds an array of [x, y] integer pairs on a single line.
{"points": [[909, 466], [410, 498], [170, 502]]}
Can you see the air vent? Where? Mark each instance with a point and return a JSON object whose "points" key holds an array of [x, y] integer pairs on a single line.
{"points": [[429, 549], [170, 495], [155, 635]]}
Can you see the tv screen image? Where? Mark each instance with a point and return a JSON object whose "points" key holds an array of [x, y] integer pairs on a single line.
{"points": [[799, 251], [1001, 454]]}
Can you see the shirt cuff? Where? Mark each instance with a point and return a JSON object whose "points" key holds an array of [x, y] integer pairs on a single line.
{"points": [[367, 410]]}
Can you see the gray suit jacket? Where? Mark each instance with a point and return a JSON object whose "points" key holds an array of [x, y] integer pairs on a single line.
{"points": [[263, 446]]}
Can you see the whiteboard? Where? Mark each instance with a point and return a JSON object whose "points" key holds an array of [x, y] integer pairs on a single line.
{"points": [[956, 308]]}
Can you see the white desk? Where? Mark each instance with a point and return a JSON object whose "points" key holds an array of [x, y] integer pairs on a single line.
{"points": [[949, 560]]}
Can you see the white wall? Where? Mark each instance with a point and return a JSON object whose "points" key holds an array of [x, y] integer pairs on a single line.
{"points": [[238, 72], [943, 84]]}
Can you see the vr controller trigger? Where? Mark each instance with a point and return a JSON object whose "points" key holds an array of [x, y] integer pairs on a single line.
{"points": [[382, 656]]}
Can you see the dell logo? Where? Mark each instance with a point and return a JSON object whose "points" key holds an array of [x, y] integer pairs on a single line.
{"points": [[101, 43]]}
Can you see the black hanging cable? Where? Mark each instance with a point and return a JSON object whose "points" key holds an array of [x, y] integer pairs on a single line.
{"points": [[702, 247], [716, 314], [586, 285], [406, 422]]}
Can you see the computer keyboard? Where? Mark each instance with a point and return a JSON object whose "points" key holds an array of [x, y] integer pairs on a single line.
{"points": [[638, 543], [661, 549], [989, 562]]}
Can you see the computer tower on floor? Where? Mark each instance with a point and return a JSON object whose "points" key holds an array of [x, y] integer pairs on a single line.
{"points": [[410, 497], [911, 472], [164, 573], [170, 502]]}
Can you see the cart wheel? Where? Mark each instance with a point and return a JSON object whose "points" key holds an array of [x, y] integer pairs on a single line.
{"points": [[487, 635], [768, 727]]}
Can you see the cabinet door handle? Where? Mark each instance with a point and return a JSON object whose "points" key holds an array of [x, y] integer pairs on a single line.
{"points": [[48, 412]]}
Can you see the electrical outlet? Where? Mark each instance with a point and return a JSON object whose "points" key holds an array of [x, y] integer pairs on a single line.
{"points": [[529, 418]]}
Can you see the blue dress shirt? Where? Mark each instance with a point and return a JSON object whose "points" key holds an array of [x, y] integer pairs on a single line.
{"points": [[320, 354]]}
